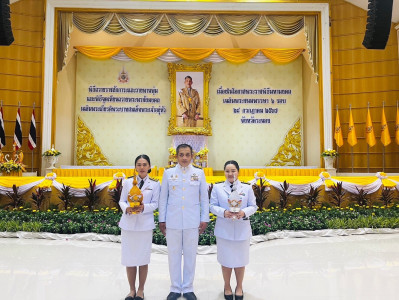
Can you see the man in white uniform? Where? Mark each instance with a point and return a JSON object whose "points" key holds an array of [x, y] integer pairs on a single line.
{"points": [[183, 215]]}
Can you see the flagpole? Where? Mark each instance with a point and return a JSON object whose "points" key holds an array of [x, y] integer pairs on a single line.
{"points": [[383, 146], [350, 108], [337, 150], [32, 149], [368, 146]]}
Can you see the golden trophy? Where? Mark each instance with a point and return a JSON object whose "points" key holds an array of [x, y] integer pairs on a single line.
{"points": [[135, 196]]}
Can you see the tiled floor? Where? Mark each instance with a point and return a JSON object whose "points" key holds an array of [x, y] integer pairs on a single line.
{"points": [[354, 267]]}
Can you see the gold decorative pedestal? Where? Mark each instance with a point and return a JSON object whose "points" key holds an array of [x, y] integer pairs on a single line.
{"points": [[12, 173]]}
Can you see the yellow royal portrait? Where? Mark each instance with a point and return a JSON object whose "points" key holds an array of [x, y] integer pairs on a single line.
{"points": [[189, 99]]}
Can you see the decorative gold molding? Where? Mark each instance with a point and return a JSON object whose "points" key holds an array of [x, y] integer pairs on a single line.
{"points": [[88, 153], [291, 150], [173, 128]]}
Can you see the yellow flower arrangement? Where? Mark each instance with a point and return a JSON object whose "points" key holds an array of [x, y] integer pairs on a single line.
{"points": [[10, 166], [202, 152], [329, 152], [172, 151], [259, 175], [51, 152]]}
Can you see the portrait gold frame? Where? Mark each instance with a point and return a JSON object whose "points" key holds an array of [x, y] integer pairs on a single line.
{"points": [[173, 129]]}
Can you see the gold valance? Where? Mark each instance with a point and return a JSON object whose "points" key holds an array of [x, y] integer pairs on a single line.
{"points": [[188, 24]]}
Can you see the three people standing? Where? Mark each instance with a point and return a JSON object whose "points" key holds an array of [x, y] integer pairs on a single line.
{"points": [[184, 214]]}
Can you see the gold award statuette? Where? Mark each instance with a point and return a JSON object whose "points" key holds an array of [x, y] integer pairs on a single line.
{"points": [[135, 196]]}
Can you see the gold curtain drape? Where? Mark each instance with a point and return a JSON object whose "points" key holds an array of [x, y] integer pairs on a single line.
{"points": [[311, 32], [65, 27], [286, 25], [92, 22], [233, 55], [98, 52], [237, 55], [190, 24], [144, 54], [282, 56], [187, 24], [192, 54], [238, 24], [139, 24]]}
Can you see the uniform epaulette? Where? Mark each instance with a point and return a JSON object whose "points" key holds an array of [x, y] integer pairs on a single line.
{"points": [[246, 183], [168, 167], [153, 179], [218, 182], [198, 167]]}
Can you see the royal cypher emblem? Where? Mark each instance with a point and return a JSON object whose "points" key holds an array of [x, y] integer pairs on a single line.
{"points": [[123, 76]]}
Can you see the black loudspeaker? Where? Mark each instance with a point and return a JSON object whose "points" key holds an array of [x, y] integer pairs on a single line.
{"points": [[6, 36], [379, 18]]}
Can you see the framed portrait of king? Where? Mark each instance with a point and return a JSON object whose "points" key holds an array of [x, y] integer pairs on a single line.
{"points": [[189, 99]]}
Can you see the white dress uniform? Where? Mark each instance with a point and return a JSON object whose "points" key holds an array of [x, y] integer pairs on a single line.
{"points": [[183, 204], [232, 235], [136, 229]]}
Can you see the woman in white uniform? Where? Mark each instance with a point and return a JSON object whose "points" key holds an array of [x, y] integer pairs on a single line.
{"points": [[233, 229], [137, 224]]}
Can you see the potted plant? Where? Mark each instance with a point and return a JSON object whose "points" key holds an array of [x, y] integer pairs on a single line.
{"points": [[329, 156], [51, 156], [11, 168]]}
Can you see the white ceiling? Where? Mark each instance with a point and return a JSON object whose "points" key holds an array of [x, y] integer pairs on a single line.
{"points": [[360, 3], [364, 3]]}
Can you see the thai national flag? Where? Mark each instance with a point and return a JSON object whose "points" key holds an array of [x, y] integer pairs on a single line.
{"points": [[32, 132], [18, 131], [2, 131]]}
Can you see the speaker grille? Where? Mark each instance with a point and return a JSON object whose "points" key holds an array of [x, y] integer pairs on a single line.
{"points": [[6, 36], [378, 26]]}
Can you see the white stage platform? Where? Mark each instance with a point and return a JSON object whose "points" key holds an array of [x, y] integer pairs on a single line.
{"points": [[334, 268]]}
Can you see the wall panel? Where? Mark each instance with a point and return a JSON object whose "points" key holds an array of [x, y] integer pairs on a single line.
{"points": [[361, 76], [21, 75]]}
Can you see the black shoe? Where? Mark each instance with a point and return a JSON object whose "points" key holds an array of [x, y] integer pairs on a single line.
{"points": [[189, 296], [228, 297], [239, 297], [173, 296], [130, 298], [139, 298]]}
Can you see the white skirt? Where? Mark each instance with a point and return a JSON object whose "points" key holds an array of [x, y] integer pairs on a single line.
{"points": [[136, 247], [232, 254]]}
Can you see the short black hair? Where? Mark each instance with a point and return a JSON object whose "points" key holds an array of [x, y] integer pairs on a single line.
{"points": [[181, 146], [231, 162], [188, 77], [143, 156]]}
